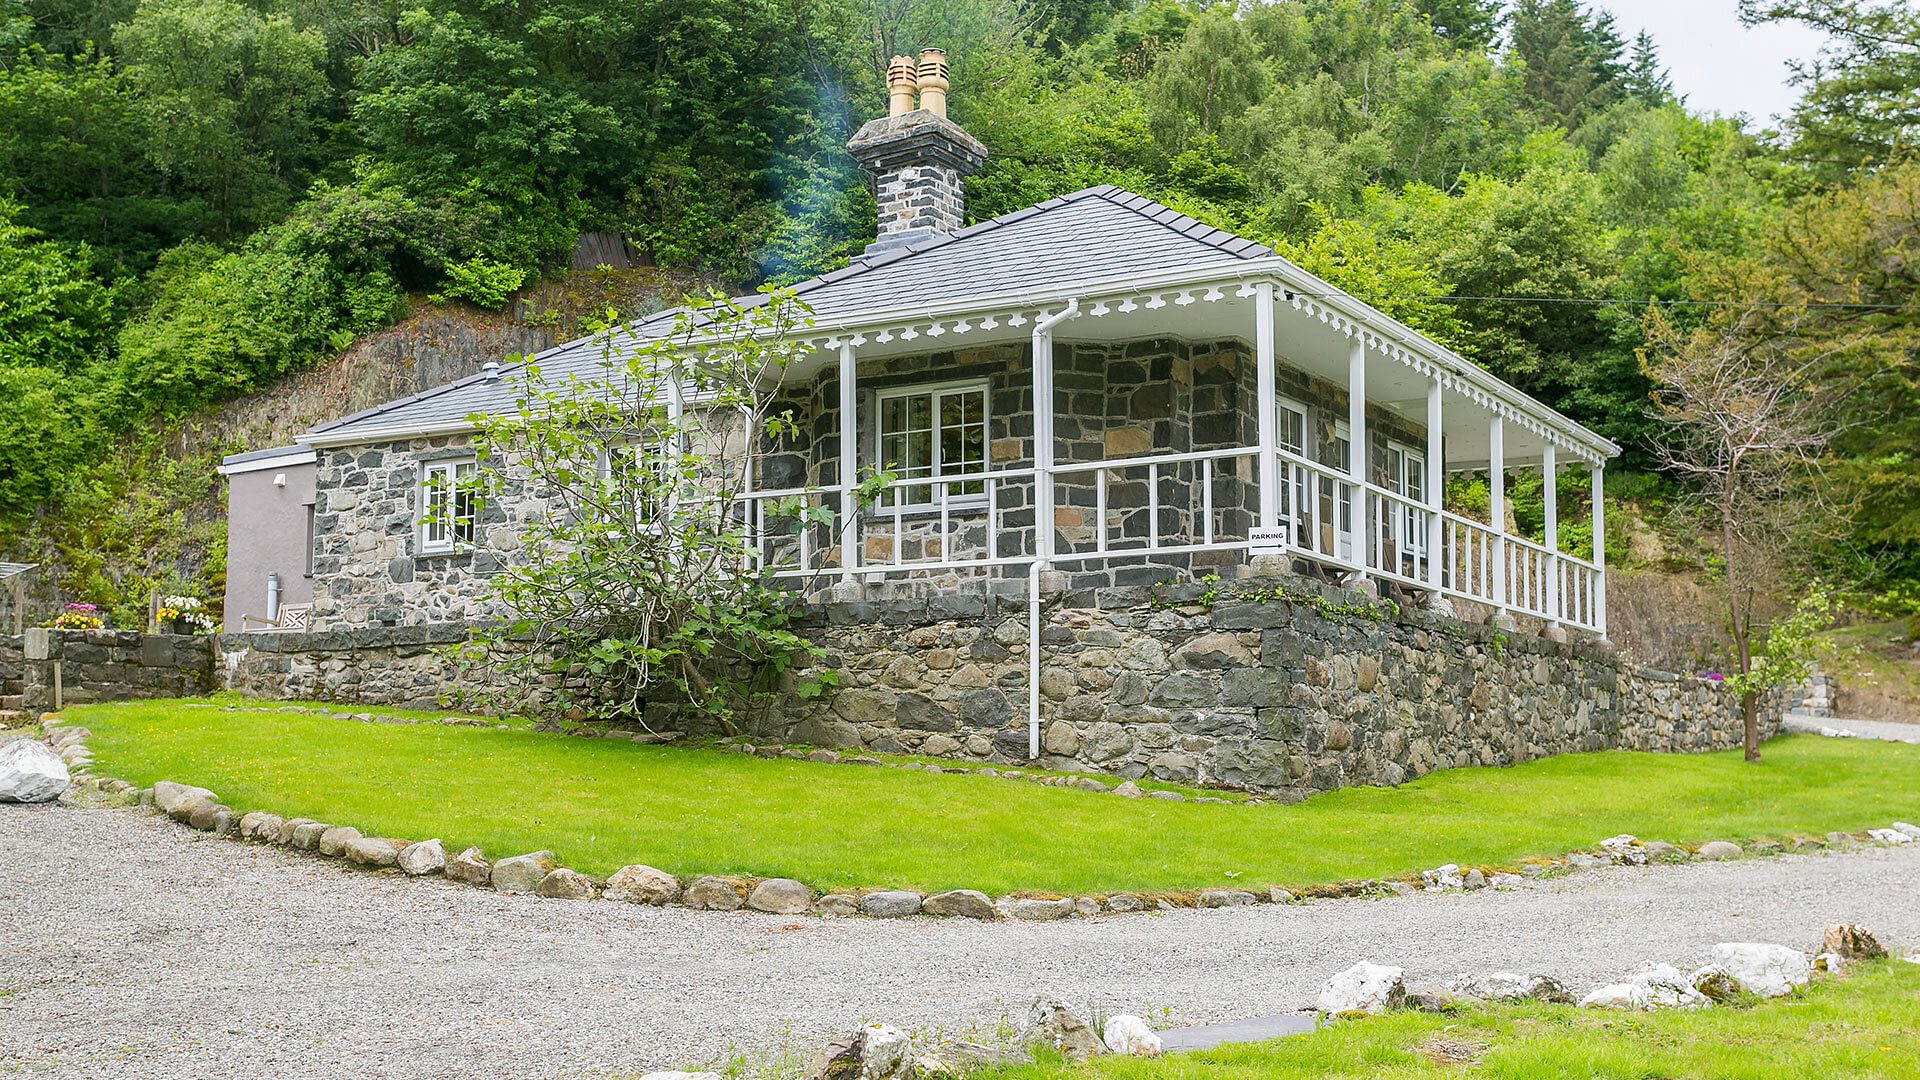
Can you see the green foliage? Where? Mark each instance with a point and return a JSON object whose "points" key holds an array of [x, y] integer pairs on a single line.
{"points": [[639, 585], [1786, 656], [73, 151], [1859, 108], [53, 312], [219, 324], [1573, 58], [488, 284], [229, 99]]}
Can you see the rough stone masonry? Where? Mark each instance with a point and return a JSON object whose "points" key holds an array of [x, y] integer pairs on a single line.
{"points": [[1277, 685]]}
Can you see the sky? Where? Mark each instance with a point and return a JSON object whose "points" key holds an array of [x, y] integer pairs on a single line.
{"points": [[1716, 63]]}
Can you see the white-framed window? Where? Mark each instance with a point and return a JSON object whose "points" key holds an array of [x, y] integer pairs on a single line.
{"points": [[1336, 497], [449, 506], [1295, 481], [1406, 469], [619, 468], [933, 432]]}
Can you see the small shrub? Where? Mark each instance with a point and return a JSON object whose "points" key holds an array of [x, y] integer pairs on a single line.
{"points": [[481, 281]]}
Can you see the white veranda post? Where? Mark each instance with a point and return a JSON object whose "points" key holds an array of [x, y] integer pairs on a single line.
{"points": [[849, 465], [1357, 450], [1600, 549], [1436, 483], [1265, 395], [1497, 507], [1549, 474]]}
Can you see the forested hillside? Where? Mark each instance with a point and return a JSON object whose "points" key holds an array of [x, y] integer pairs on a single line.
{"points": [[200, 196]]}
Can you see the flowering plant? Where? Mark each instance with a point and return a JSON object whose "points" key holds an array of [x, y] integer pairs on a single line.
{"points": [[78, 617], [185, 615]]}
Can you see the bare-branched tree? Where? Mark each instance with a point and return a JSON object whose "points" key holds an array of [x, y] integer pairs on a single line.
{"points": [[1749, 411]]}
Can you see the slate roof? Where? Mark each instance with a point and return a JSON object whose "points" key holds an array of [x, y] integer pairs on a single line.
{"points": [[1089, 236]]}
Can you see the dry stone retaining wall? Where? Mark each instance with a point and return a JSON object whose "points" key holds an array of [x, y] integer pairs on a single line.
{"points": [[1279, 685], [112, 665]]}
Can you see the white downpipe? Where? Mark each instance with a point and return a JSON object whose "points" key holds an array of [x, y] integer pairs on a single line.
{"points": [[1042, 504]]}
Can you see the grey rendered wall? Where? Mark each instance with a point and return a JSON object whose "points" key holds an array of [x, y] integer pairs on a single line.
{"points": [[267, 533]]}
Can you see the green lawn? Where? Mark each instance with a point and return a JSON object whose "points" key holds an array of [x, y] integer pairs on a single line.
{"points": [[601, 804], [1866, 1025]]}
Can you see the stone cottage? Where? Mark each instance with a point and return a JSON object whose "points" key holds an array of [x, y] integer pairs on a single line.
{"points": [[1091, 394]]}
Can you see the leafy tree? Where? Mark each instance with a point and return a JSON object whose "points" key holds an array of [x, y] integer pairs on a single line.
{"points": [[73, 150], [643, 583], [229, 98], [1850, 256], [1514, 251], [56, 321], [1214, 74], [1390, 273], [53, 312], [1859, 106]]}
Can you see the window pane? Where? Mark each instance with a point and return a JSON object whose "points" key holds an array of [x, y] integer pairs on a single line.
{"points": [[1292, 433], [920, 413]]}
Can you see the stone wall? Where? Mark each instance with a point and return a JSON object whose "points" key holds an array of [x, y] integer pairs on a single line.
{"points": [[405, 666], [368, 570], [112, 665], [13, 672], [1280, 685]]}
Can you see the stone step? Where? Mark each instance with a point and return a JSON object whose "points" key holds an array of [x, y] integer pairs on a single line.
{"points": [[12, 718], [12, 702]]}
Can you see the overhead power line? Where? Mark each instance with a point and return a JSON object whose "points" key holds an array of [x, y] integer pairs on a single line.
{"points": [[1604, 301]]}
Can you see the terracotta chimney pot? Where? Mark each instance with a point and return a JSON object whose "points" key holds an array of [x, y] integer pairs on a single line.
{"points": [[901, 84], [933, 81]]}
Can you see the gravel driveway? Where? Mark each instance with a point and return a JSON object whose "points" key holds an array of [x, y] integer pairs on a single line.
{"points": [[130, 946]]}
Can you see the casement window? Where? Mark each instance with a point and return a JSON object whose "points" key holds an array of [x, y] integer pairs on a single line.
{"points": [[1336, 497], [448, 506], [621, 469], [1295, 482], [933, 433], [1406, 477]]}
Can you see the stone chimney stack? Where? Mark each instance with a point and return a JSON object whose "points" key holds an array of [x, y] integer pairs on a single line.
{"points": [[917, 157]]}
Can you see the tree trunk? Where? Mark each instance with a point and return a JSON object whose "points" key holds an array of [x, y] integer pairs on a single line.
{"points": [[1750, 723], [1740, 625]]}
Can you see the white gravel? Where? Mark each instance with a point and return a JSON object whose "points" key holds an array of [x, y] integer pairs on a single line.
{"points": [[130, 946]]}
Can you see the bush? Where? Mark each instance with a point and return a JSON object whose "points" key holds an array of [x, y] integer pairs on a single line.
{"points": [[481, 281]]}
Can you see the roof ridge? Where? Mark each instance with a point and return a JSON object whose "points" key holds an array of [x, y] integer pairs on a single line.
{"points": [[1190, 227]]}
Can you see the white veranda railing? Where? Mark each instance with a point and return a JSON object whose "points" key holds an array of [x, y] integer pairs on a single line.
{"points": [[1173, 504]]}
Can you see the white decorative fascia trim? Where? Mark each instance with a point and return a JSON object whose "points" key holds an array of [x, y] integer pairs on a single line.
{"points": [[278, 461], [384, 433]]}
